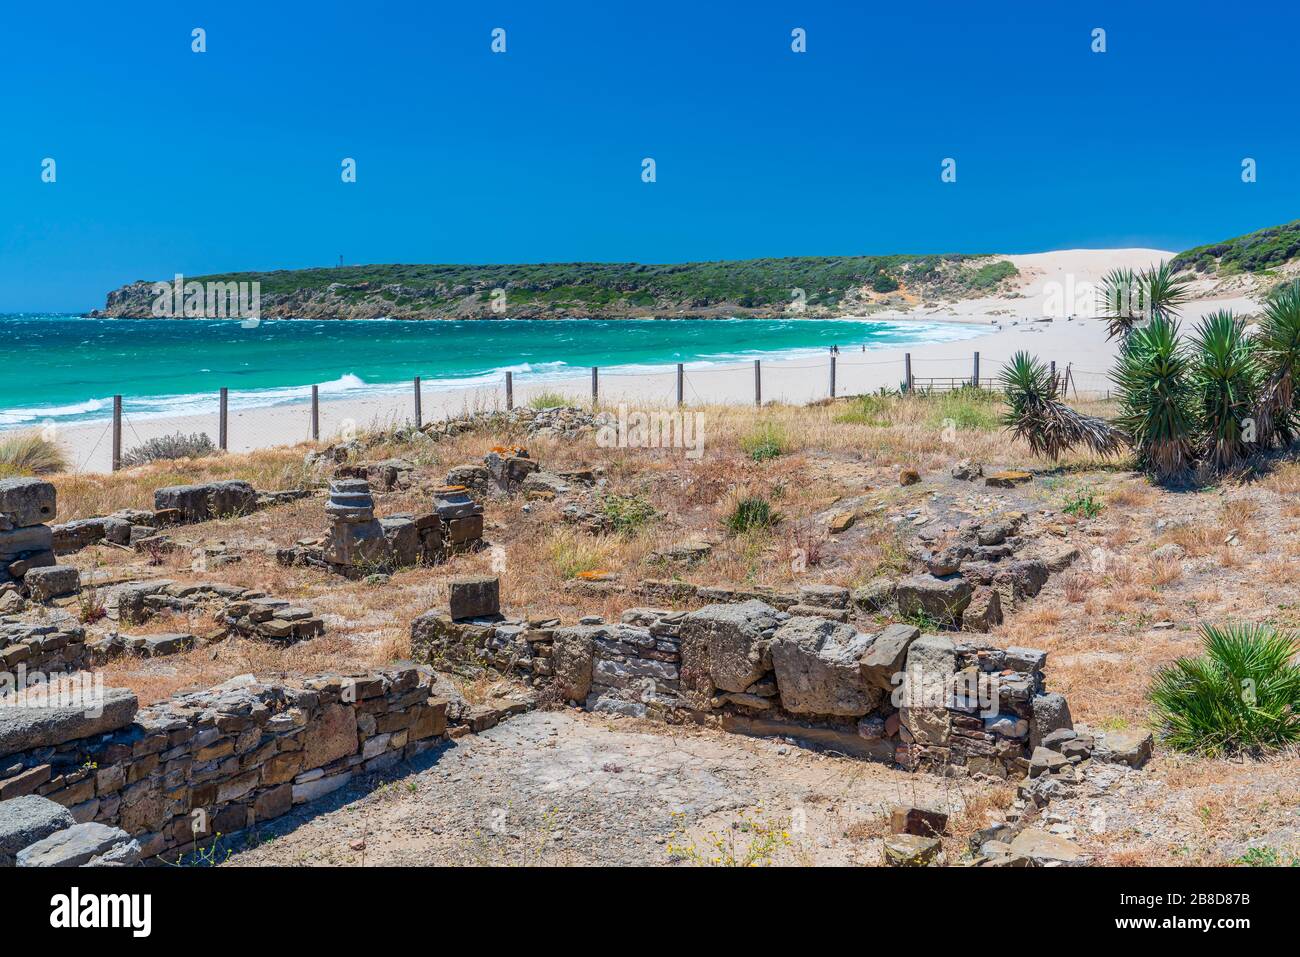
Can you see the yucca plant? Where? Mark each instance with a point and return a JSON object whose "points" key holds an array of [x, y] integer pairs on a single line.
{"points": [[1036, 413], [1241, 695], [1226, 378], [1277, 345], [1156, 391], [1128, 299]]}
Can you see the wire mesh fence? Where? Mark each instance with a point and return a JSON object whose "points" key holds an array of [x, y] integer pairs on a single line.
{"points": [[236, 423]]}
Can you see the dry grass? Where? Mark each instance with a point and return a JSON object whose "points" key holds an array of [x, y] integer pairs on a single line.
{"points": [[1096, 622], [27, 453], [88, 495]]}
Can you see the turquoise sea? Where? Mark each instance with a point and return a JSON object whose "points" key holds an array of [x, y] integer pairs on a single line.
{"points": [[65, 369]]}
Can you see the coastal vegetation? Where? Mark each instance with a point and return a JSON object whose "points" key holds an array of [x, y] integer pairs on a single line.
{"points": [[758, 287], [1258, 252], [1207, 403], [1241, 695], [176, 446], [27, 453]]}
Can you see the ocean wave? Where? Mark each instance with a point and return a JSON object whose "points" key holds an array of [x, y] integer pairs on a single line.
{"points": [[881, 334], [53, 412]]}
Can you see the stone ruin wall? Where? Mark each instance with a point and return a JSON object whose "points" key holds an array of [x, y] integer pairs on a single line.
{"points": [[172, 776], [922, 701]]}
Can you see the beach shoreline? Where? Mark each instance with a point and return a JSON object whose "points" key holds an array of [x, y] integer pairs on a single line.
{"points": [[1009, 324]]}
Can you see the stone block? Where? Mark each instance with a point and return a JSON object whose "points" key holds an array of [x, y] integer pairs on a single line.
{"points": [[52, 581], [26, 820], [332, 736], [74, 846], [817, 668], [475, 597], [31, 540], [35, 726], [27, 501]]}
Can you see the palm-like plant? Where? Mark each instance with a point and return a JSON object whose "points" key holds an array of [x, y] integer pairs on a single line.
{"points": [[1225, 377], [1242, 695], [1036, 414], [1155, 393], [1127, 299], [1277, 344]]}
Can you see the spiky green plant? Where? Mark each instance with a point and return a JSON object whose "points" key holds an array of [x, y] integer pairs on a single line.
{"points": [[1128, 299], [1277, 345], [1153, 378], [1226, 378], [1036, 413], [1242, 695]]}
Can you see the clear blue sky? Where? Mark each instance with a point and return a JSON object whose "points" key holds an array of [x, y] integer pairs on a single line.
{"points": [[171, 161]]}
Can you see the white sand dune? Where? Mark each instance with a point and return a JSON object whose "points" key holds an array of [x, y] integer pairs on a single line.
{"points": [[1014, 321]]}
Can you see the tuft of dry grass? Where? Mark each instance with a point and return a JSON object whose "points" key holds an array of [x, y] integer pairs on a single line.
{"points": [[1164, 570], [27, 453]]}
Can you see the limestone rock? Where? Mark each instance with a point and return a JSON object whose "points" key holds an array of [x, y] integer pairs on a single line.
{"points": [[941, 599], [52, 581], [1009, 478], [909, 850], [1170, 552], [1047, 850], [26, 820], [735, 640], [1130, 746], [887, 655], [475, 597], [817, 668], [75, 846], [27, 501], [33, 725]]}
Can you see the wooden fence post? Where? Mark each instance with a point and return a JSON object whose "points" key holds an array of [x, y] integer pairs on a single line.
{"points": [[832, 375], [117, 432], [758, 384], [223, 424], [315, 413], [595, 385], [419, 411], [681, 382], [907, 372], [976, 379], [510, 391]]}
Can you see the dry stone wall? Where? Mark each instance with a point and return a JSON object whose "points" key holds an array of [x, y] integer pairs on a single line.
{"points": [[27, 562], [921, 701], [173, 775]]}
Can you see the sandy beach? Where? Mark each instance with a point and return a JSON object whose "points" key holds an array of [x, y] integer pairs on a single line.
{"points": [[1050, 283]]}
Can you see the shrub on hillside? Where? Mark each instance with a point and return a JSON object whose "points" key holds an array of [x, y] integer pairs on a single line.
{"points": [[177, 446], [1241, 696], [767, 441], [751, 513]]}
